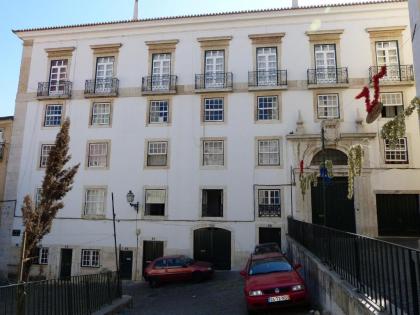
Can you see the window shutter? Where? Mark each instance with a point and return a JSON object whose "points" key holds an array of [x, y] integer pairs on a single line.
{"points": [[155, 196]]}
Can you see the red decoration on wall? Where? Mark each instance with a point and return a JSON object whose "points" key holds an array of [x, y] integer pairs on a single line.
{"points": [[373, 108], [301, 166]]}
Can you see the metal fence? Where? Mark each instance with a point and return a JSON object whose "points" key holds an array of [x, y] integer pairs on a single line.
{"points": [[328, 75], [77, 295], [267, 78], [387, 274], [394, 73]]}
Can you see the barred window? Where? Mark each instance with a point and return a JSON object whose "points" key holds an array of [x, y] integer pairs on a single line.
{"points": [[94, 201], [157, 153], [213, 152], [267, 108], [101, 114], [213, 109], [158, 112], [392, 104], [45, 152], [269, 152], [269, 202], [90, 257], [328, 107], [43, 256], [155, 202], [397, 154], [53, 115], [98, 155]]}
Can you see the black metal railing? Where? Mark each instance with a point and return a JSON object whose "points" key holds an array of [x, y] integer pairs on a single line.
{"points": [[214, 80], [159, 83], [106, 87], [76, 295], [59, 89], [394, 73], [269, 210], [267, 78], [328, 75], [387, 274]]}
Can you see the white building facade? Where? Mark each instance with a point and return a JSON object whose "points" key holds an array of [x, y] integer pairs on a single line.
{"points": [[205, 119]]}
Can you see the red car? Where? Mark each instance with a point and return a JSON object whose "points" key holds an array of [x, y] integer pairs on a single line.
{"points": [[271, 281], [175, 268]]}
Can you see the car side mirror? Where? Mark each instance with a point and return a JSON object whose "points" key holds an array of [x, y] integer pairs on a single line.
{"points": [[297, 266], [242, 273]]}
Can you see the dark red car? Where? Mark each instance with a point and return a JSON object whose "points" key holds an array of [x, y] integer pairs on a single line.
{"points": [[176, 268], [271, 281]]}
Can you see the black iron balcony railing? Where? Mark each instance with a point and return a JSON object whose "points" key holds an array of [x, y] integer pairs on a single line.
{"points": [[214, 80], [60, 89], [270, 78], [2, 145], [394, 73], [105, 87], [159, 83], [269, 210], [328, 75], [386, 274]]}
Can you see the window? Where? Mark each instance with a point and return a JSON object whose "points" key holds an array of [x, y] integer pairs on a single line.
{"points": [[161, 70], [213, 109], [101, 114], [214, 65], [325, 63], [212, 202], [213, 153], [155, 202], [157, 153], [269, 203], [45, 152], [397, 154], [94, 202], [53, 115], [267, 66], [158, 112], [269, 152], [328, 107], [392, 104], [387, 55], [98, 155], [267, 108], [58, 77], [38, 197], [90, 257], [104, 74], [43, 255]]}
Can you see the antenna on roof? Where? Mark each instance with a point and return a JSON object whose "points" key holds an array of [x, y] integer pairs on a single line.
{"points": [[136, 10], [295, 4]]}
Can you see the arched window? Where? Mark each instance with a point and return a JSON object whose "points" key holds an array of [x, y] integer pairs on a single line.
{"points": [[337, 157]]}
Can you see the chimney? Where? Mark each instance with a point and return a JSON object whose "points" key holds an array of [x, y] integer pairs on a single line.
{"points": [[136, 10], [295, 3]]}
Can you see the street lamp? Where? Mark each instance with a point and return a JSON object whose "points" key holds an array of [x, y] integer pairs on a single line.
{"points": [[130, 199]]}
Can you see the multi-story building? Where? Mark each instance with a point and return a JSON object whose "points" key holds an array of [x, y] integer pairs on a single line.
{"points": [[414, 8], [195, 125]]}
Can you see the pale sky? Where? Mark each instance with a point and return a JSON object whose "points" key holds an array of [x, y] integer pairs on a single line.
{"points": [[18, 14]]}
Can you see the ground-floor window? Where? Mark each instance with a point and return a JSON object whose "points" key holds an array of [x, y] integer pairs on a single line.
{"points": [[90, 257]]}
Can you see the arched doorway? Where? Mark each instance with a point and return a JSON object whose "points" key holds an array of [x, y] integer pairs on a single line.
{"points": [[213, 245], [337, 211]]}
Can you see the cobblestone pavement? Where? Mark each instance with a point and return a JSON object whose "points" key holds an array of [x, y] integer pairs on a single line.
{"points": [[221, 295]]}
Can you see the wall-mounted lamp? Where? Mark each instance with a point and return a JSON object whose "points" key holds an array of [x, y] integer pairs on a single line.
{"points": [[130, 199]]}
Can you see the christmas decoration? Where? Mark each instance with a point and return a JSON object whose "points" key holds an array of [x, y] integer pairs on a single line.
{"points": [[355, 161], [306, 181], [373, 108]]}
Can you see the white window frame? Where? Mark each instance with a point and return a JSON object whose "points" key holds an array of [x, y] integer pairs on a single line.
{"points": [[101, 114], [267, 65], [212, 107], [214, 68], [98, 158], [325, 65], [149, 189], [51, 116], [94, 207], [267, 110], [325, 108], [399, 152], [270, 199], [157, 112], [43, 255], [104, 73], [161, 71], [393, 69], [90, 258], [272, 161], [58, 78], [43, 157], [212, 155], [394, 100], [157, 148]]}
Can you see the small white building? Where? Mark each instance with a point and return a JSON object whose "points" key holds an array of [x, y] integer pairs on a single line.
{"points": [[205, 119]]}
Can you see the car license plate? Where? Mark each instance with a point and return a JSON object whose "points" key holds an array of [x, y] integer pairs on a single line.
{"points": [[280, 298]]}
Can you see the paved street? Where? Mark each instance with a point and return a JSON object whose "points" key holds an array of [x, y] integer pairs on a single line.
{"points": [[221, 295]]}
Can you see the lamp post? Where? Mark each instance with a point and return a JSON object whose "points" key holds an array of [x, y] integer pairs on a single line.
{"points": [[130, 199]]}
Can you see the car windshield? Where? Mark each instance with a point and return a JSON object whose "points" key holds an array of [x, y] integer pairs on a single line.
{"points": [[268, 248], [264, 266]]}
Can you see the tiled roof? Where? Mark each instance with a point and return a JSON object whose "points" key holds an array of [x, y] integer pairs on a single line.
{"points": [[206, 15]]}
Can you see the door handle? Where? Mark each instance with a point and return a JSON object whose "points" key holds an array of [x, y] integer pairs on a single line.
{"points": [[203, 250]]}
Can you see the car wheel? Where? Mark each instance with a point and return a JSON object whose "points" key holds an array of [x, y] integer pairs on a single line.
{"points": [[197, 276], [153, 282]]}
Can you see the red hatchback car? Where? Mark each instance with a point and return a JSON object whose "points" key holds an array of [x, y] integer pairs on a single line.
{"points": [[175, 268], [271, 281]]}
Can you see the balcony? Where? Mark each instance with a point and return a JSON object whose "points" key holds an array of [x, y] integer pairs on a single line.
{"points": [[267, 80], [48, 90], [101, 87], [214, 82], [159, 84], [269, 211], [396, 74], [328, 77]]}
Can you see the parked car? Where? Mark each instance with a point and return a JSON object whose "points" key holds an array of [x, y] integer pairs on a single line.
{"points": [[176, 268], [271, 281], [265, 248]]}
